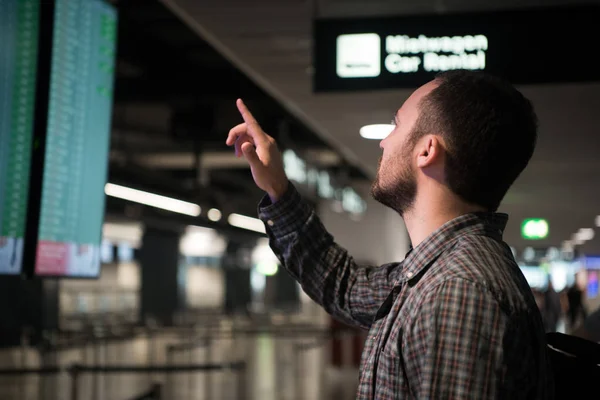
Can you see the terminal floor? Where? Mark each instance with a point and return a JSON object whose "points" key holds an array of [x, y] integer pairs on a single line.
{"points": [[276, 370]]}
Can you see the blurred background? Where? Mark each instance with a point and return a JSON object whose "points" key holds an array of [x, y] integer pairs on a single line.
{"points": [[132, 263]]}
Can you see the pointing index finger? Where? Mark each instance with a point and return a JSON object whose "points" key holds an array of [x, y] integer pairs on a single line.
{"points": [[246, 114]]}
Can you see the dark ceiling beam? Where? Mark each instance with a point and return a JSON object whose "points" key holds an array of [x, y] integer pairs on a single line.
{"points": [[154, 180], [183, 184], [147, 46], [244, 181], [153, 56], [145, 140], [175, 88]]}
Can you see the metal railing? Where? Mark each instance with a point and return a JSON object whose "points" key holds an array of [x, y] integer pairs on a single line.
{"points": [[76, 371], [239, 368]]}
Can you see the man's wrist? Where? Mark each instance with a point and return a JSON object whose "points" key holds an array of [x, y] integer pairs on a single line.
{"points": [[278, 192], [288, 215]]}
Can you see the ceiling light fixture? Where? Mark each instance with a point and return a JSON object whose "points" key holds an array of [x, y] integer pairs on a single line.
{"points": [[585, 234], [376, 131], [214, 215], [244, 222], [151, 199]]}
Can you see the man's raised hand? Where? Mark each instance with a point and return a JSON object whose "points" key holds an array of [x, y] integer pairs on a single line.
{"points": [[261, 152]]}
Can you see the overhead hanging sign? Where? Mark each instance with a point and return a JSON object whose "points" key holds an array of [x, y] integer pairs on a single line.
{"points": [[358, 55], [407, 51], [534, 229]]}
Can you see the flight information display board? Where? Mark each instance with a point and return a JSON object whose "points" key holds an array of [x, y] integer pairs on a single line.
{"points": [[19, 25], [77, 139]]}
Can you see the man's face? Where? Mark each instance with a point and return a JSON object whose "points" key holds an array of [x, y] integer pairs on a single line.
{"points": [[395, 185]]}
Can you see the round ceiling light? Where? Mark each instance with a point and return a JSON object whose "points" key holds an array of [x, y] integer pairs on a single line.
{"points": [[376, 131]]}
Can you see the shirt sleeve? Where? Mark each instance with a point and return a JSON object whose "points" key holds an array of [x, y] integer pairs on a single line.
{"points": [[456, 344], [326, 272]]}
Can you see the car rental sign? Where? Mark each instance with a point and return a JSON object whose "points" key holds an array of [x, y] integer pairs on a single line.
{"points": [[541, 45], [405, 54]]}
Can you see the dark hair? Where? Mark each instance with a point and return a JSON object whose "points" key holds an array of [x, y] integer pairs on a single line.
{"points": [[490, 130]]}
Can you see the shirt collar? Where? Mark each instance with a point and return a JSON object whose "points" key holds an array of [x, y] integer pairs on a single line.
{"points": [[481, 223]]}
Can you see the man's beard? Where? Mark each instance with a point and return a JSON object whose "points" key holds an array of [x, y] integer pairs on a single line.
{"points": [[400, 193]]}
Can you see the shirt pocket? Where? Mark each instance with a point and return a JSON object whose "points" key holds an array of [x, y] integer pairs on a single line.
{"points": [[391, 382]]}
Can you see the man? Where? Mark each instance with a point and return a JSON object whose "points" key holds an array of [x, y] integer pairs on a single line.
{"points": [[551, 308], [576, 307], [590, 328], [456, 319]]}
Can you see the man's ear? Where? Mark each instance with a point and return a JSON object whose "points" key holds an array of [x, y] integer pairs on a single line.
{"points": [[429, 151]]}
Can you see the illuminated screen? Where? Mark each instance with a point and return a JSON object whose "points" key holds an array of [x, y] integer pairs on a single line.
{"points": [[19, 24], [77, 139]]}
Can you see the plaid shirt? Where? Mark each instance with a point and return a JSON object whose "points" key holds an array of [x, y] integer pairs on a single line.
{"points": [[455, 320]]}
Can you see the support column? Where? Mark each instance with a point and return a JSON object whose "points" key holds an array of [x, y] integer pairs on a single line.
{"points": [[30, 305], [162, 284], [237, 263]]}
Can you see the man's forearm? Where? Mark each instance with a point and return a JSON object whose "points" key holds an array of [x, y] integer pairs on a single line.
{"points": [[326, 272]]}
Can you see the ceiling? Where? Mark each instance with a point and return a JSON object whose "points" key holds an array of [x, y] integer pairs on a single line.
{"points": [[270, 42], [174, 104]]}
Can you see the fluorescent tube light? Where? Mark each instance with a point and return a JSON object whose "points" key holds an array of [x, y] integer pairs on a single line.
{"points": [[214, 215], [151, 199], [244, 222]]}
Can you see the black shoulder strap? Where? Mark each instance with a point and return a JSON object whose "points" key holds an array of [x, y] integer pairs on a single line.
{"points": [[584, 350]]}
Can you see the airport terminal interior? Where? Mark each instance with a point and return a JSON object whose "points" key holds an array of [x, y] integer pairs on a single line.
{"points": [[133, 264]]}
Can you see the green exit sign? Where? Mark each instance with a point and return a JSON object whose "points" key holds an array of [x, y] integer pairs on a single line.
{"points": [[534, 228]]}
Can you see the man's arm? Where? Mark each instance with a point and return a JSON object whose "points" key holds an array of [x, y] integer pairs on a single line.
{"points": [[325, 270], [456, 347]]}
